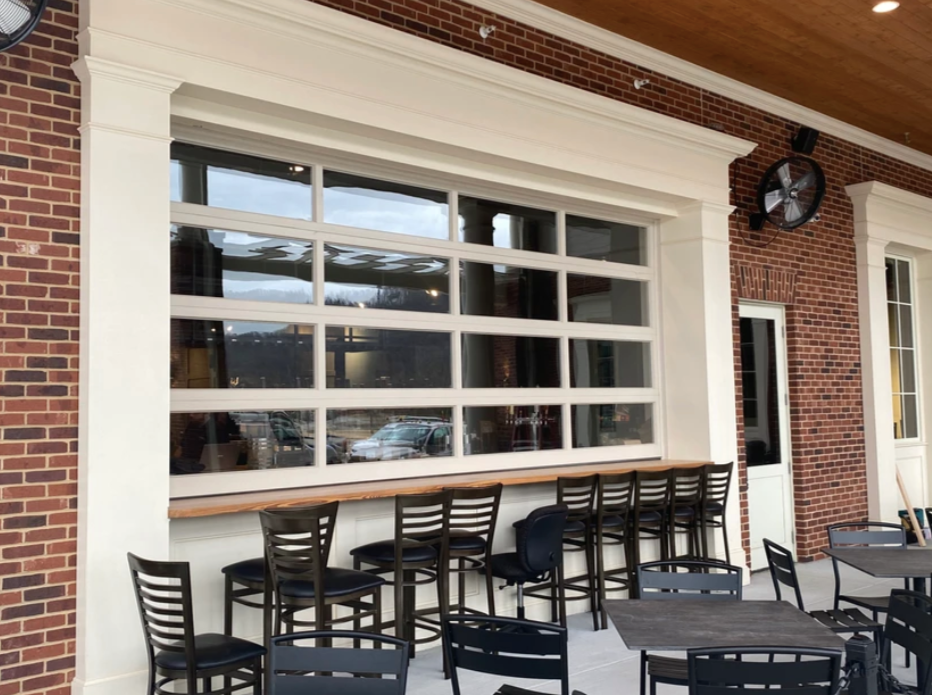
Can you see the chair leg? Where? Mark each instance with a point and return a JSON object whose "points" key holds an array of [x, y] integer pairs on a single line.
{"points": [[408, 591], [206, 684], [461, 584], [257, 677], [643, 679], [600, 578], [725, 540], [489, 586], [556, 583], [228, 605], [593, 581], [561, 594], [400, 629]]}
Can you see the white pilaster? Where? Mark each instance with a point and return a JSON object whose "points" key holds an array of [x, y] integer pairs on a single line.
{"points": [[880, 453], [698, 347], [124, 405]]}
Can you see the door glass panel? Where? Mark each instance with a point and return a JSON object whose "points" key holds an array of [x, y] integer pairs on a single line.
{"points": [[761, 401]]}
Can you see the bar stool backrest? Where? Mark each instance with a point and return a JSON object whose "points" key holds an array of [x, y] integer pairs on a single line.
{"points": [[474, 511], [909, 625], [716, 483], [866, 533], [652, 491], [296, 669], [751, 670], [297, 543], [539, 539], [163, 596], [782, 571], [578, 494], [615, 495], [688, 486], [419, 519], [688, 579]]}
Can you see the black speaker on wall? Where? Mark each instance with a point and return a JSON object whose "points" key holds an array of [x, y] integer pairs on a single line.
{"points": [[805, 140]]}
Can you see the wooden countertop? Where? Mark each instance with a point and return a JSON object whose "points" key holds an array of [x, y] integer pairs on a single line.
{"points": [[190, 507]]}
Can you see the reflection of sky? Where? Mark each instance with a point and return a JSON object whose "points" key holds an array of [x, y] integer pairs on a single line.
{"points": [[265, 288], [386, 212]]}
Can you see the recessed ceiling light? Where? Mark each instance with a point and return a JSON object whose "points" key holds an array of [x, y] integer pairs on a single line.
{"points": [[886, 6]]}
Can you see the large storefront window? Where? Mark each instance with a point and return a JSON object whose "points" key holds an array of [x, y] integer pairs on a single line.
{"points": [[325, 318], [901, 320]]}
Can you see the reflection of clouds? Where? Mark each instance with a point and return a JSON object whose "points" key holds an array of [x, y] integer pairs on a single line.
{"points": [[501, 236], [350, 256], [386, 212]]}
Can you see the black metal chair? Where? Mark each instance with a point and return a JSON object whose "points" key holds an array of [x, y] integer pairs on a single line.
{"points": [[297, 669], [909, 625], [506, 647], [468, 533], [865, 534], [685, 512], [650, 516], [243, 585], [842, 621], [716, 482], [538, 555], [613, 505], [750, 670], [677, 580], [175, 652], [297, 548], [413, 557]]}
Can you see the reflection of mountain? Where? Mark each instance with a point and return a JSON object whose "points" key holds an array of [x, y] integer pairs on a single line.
{"points": [[395, 298], [266, 294]]}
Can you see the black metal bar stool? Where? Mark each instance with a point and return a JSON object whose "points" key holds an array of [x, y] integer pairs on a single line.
{"points": [[685, 509], [715, 486], [578, 496], [413, 556], [297, 549], [613, 505], [243, 584], [650, 514], [468, 532]]}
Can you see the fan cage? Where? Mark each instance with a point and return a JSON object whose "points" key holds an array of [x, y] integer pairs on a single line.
{"points": [[18, 19]]}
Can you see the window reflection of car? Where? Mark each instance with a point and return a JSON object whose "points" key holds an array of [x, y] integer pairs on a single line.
{"points": [[289, 436], [402, 440]]}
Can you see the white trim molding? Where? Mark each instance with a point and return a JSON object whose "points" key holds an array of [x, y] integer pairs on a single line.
{"points": [[580, 32], [887, 219]]}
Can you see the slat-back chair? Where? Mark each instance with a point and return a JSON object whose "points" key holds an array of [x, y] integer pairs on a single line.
{"points": [[750, 670], [613, 505]]}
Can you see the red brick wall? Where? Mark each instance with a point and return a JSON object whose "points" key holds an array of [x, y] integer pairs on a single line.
{"points": [[39, 114], [822, 324]]}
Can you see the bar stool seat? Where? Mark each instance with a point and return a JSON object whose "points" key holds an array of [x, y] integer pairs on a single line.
{"points": [[650, 517], [252, 571], [211, 651], [384, 552], [337, 582], [684, 512], [572, 525], [612, 521], [467, 543]]}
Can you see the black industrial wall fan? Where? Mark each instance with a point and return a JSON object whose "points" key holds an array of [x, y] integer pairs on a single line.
{"points": [[791, 190], [18, 19]]}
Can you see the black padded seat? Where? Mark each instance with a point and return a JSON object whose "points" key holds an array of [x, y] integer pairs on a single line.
{"points": [[611, 522], [715, 508], [252, 570], [468, 544], [383, 552], [651, 517], [507, 566], [684, 513], [211, 651], [337, 582], [571, 526]]}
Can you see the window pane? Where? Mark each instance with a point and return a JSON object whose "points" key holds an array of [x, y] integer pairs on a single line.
{"points": [[904, 292], [375, 358], [605, 241], [906, 325], [237, 265], [910, 417], [604, 300], [908, 362], [893, 313], [242, 440], [373, 279], [891, 279], [391, 434], [240, 182], [241, 354], [507, 226], [507, 361], [896, 375], [609, 364], [512, 428], [898, 432], [508, 291], [611, 425], [357, 201]]}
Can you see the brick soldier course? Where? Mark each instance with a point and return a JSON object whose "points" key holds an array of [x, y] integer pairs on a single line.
{"points": [[812, 270]]}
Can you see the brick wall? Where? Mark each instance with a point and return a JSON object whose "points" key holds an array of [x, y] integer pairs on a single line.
{"points": [[822, 322], [39, 114]]}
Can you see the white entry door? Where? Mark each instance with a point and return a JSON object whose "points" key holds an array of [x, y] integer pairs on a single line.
{"points": [[766, 429]]}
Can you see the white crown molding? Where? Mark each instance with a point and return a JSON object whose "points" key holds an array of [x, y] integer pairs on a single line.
{"points": [[891, 215], [89, 66], [578, 31]]}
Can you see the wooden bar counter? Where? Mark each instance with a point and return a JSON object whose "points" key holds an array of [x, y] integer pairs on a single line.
{"points": [[297, 497]]}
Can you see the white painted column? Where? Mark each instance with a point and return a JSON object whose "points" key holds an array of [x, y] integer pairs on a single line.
{"points": [[698, 345], [124, 374], [882, 495]]}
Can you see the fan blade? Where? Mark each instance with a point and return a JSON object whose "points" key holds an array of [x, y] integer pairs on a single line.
{"points": [[806, 181], [792, 212], [784, 173], [773, 199]]}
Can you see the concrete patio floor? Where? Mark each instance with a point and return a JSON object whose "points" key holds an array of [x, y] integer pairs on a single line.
{"points": [[600, 664]]}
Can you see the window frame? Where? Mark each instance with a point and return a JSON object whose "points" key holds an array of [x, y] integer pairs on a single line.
{"points": [[915, 350], [320, 316]]}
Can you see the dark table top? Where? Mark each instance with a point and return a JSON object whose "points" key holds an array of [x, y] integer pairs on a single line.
{"points": [[887, 563], [693, 624]]}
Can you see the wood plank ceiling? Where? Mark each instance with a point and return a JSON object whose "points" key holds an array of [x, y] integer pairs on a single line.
{"points": [[835, 56]]}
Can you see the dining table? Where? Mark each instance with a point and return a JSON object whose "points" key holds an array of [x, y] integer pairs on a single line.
{"points": [[913, 563], [650, 625]]}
